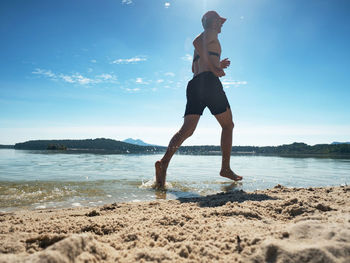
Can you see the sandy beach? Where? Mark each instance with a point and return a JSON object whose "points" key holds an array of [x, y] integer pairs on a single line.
{"points": [[274, 225]]}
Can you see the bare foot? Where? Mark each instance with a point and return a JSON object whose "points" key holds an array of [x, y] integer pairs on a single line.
{"points": [[228, 173], [160, 173]]}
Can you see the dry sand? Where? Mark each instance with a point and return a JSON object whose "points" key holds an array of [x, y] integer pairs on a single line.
{"points": [[276, 225]]}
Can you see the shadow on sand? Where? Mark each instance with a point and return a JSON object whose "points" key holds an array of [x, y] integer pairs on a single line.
{"points": [[222, 198], [229, 194]]}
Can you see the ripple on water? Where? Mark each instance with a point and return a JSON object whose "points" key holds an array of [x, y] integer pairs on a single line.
{"points": [[19, 194], [41, 179]]}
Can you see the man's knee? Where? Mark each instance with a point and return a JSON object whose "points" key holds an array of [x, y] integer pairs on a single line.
{"points": [[229, 126], [189, 133], [186, 133]]}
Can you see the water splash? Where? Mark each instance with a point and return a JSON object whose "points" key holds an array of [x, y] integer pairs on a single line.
{"points": [[151, 184]]}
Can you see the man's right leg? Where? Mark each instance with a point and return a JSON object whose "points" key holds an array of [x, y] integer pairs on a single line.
{"points": [[187, 129], [225, 120]]}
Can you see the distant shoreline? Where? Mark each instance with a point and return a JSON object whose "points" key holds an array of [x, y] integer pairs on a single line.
{"points": [[7, 146], [109, 146], [216, 153]]}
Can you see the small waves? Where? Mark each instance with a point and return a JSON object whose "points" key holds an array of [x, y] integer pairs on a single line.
{"points": [[22, 194], [45, 180]]}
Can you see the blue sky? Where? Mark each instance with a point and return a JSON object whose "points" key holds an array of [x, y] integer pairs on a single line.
{"points": [[119, 68]]}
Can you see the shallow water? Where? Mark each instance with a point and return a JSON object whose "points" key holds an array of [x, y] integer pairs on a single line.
{"points": [[42, 179]]}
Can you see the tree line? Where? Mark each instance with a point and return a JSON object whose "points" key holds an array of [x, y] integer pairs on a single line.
{"points": [[287, 149], [100, 144], [114, 146]]}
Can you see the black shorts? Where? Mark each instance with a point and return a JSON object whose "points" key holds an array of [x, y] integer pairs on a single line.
{"points": [[205, 90]]}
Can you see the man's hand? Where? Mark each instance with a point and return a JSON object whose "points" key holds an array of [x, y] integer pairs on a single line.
{"points": [[219, 72], [225, 63]]}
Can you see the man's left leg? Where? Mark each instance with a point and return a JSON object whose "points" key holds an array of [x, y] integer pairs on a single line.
{"points": [[225, 120], [187, 129]]}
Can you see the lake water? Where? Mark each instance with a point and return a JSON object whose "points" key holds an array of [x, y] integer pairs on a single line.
{"points": [[42, 179]]}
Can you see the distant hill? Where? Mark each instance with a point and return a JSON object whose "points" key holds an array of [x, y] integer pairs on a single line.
{"points": [[91, 145], [294, 149], [340, 142], [137, 142], [6, 146], [103, 145]]}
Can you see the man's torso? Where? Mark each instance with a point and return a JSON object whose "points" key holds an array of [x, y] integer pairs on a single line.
{"points": [[211, 44]]}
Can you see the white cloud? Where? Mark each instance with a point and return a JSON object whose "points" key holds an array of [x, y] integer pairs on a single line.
{"points": [[171, 74], [187, 57], [128, 60], [68, 79], [160, 80], [81, 79], [141, 81], [235, 83], [93, 61], [180, 84], [47, 73], [167, 5], [106, 76], [127, 2], [132, 89], [76, 78]]}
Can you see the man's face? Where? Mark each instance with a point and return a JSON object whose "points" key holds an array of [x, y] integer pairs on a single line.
{"points": [[218, 25]]}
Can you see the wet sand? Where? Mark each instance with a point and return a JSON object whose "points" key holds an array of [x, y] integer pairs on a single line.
{"points": [[275, 225]]}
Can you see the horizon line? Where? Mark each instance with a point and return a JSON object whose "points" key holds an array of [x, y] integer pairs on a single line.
{"points": [[148, 144]]}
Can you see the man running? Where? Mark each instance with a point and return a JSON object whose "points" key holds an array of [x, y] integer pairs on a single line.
{"points": [[204, 90]]}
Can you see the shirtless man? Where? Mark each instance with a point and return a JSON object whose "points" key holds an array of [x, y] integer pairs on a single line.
{"points": [[204, 90]]}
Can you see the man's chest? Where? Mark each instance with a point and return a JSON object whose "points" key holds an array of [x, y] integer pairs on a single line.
{"points": [[214, 46]]}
